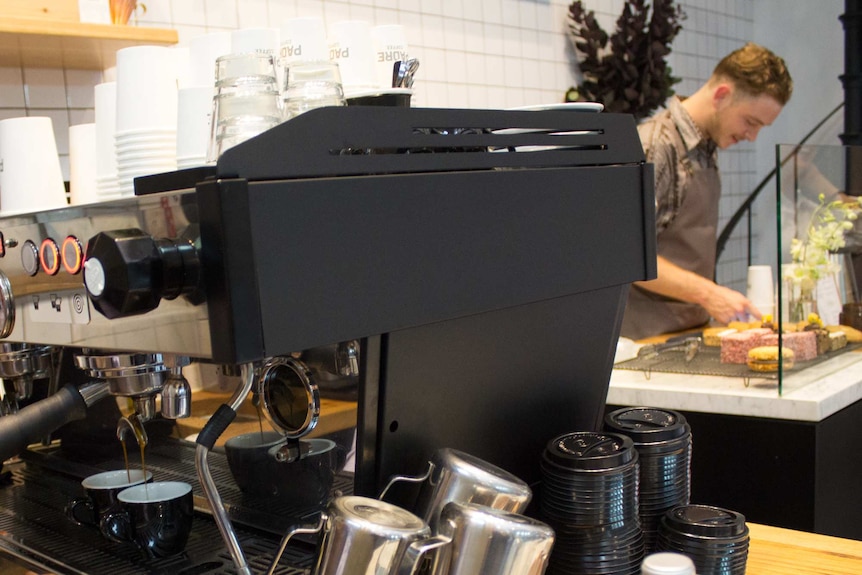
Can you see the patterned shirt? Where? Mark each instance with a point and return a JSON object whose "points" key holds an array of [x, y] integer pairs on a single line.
{"points": [[678, 148]]}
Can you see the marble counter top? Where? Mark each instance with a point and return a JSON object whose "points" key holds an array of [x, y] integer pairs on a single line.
{"points": [[809, 395]]}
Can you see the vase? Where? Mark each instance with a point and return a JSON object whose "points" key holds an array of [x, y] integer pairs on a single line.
{"points": [[801, 302], [122, 10]]}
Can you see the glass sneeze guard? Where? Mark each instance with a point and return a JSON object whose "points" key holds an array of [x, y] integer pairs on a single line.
{"points": [[819, 239]]}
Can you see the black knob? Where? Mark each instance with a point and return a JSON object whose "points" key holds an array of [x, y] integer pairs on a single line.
{"points": [[127, 272]]}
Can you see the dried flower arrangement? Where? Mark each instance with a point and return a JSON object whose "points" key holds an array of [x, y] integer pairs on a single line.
{"points": [[632, 76]]}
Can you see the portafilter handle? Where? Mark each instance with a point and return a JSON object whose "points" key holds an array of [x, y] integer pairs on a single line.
{"points": [[38, 419]]}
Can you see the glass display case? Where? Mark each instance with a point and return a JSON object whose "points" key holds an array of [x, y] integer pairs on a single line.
{"points": [[819, 235]]}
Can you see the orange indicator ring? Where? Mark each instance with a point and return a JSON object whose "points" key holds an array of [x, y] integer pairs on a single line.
{"points": [[72, 255]]}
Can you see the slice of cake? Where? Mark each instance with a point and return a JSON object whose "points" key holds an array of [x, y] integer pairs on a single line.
{"points": [[803, 343], [735, 346]]}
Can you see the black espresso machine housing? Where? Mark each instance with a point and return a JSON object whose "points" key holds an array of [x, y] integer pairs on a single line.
{"points": [[482, 258]]}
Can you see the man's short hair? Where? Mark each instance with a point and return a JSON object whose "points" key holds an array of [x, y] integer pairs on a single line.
{"points": [[755, 70]]}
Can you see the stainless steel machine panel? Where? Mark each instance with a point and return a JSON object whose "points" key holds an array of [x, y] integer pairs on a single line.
{"points": [[47, 301]]}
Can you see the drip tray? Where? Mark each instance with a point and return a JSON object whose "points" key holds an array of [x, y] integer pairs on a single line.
{"points": [[35, 530]]}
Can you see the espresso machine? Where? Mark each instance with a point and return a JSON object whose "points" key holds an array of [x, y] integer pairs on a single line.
{"points": [[467, 269]]}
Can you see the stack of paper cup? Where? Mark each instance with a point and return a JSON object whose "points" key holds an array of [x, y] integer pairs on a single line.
{"points": [[195, 101], [350, 46], [390, 46], [146, 137], [82, 164], [107, 183], [30, 174], [760, 289]]}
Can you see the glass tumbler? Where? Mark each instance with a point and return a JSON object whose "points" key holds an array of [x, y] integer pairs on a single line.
{"points": [[310, 85], [246, 102]]}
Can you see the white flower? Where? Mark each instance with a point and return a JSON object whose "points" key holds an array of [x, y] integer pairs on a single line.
{"points": [[829, 222]]}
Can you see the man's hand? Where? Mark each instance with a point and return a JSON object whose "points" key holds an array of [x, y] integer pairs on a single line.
{"points": [[723, 304], [726, 305]]}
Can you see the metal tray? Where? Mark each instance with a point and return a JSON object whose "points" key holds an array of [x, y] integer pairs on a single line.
{"points": [[708, 362]]}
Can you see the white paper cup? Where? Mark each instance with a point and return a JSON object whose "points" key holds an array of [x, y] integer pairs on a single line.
{"points": [[247, 40], [760, 285], [193, 120], [390, 46], [760, 288], [303, 40], [350, 45], [146, 88], [157, 148], [82, 164], [182, 63], [146, 133], [108, 187], [30, 174], [203, 53], [191, 162], [106, 128]]}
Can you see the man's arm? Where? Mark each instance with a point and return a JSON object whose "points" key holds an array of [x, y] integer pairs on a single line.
{"points": [[723, 304]]}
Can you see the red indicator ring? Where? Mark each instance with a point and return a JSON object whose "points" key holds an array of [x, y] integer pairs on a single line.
{"points": [[49, 255]]}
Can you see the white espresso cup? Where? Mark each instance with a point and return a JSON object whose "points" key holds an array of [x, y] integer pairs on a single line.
{"points": [[30, 173]]}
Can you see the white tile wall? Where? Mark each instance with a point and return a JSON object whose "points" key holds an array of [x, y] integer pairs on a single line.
{"points": [[478, 53]]}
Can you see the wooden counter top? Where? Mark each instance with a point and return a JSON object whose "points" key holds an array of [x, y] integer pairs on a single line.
{"points": [[776, 551]]}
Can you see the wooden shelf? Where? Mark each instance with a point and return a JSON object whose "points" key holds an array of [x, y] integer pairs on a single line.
{"points": [[38, 43]]}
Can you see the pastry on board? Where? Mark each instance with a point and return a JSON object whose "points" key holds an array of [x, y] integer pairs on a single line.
{"points": [[765, 358]]}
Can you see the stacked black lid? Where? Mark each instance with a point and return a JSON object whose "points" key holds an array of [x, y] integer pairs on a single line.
{"points": [[662, 439], [715, 539], [589, 496]]}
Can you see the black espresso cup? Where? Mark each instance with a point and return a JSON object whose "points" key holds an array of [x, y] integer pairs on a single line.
{"points": [[157, 517], [100, 495], [257, 471]]}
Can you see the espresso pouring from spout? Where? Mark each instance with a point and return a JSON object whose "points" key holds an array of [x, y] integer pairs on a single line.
{"points": [[132, 423]]}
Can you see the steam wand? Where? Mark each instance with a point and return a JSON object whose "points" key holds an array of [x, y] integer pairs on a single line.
{"points": [[216, 425]]}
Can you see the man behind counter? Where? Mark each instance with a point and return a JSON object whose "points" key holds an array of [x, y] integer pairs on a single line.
{"points": [[746, 92]]}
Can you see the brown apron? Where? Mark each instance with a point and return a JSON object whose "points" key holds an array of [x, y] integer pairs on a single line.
{"points": [[689, 242]]}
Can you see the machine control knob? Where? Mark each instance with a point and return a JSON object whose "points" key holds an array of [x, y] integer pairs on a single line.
{"points": [[127, 272]]}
